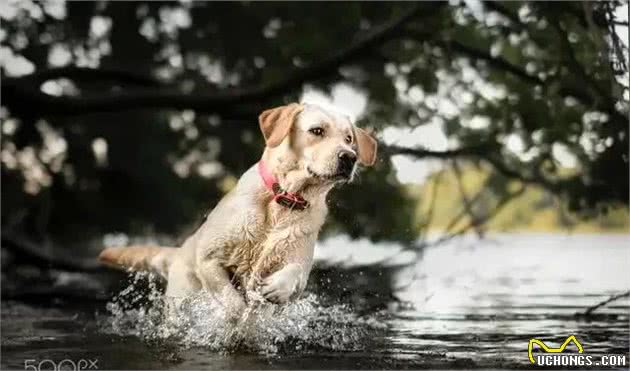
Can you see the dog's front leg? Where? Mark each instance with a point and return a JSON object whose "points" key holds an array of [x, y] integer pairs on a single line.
{"points": [[283, 285], [289, 281], [215, 279]]}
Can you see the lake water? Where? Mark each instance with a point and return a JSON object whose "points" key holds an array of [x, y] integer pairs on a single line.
{"points": [[463, 304]]}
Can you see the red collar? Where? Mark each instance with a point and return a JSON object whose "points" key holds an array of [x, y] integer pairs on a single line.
{"points": [[290, 200]]}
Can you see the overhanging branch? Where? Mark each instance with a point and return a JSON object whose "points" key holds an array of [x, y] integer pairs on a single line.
{"points": [[484, 152], [83, 74], [473, 151], [26, 97], [42, 255]]}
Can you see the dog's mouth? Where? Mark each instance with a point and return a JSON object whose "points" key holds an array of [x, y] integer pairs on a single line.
{"points": [[336, 177]]}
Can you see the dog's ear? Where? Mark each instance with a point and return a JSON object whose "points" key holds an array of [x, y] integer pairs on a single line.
{"points": [[366, 147], [276, 123]]}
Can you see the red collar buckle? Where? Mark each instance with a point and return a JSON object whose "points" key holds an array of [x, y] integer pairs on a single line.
{"points": [[290, 200]]}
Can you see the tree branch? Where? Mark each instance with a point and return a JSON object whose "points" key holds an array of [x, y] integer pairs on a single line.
{"points": [[477, 54], [574, 65], [526, 179], [502, 64], [42, 255], [424, 226], [18, 96], [475, 220], [593, 308], [503, 201], [495, 62], [483, 152], [565, 89], [473, 151], [84, 74], [473, 201], [573, 90]]}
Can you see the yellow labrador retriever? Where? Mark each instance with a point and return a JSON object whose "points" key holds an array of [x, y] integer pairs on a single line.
{"points": [[261, 235]]}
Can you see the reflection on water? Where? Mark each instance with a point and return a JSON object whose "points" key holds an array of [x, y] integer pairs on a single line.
{"points": [[461, 305]]}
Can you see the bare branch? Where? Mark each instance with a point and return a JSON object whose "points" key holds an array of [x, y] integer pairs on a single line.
{"points": [[593, 308], [85, 75], [435, 185], [495, 62], [483, 152], [457, 218], [468, 205], [42, 255], [574, 65], [490, 153], [475, 151], [503, 201]]}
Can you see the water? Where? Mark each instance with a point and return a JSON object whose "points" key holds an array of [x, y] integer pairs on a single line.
{"points": [[263, 329], [467, 304]]}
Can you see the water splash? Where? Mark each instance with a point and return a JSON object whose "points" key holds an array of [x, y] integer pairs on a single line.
{"points": [[268, 329]]}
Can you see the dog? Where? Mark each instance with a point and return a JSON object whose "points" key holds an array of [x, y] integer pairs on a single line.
{"points": [[261, 235]]}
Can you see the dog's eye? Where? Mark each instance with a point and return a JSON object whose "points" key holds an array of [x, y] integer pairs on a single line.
{"points": [[316, 131], [349, 139]]}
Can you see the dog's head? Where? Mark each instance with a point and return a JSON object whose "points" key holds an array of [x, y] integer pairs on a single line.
{"points": [[325, 143]]}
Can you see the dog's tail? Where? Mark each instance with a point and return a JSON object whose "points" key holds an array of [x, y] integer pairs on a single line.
{"points": [[156, 259]]}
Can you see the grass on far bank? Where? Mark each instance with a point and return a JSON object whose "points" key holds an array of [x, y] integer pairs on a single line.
{"points": [[535, 210]]}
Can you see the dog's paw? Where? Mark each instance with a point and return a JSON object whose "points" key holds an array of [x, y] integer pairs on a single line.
{"points": [[280, 287]]}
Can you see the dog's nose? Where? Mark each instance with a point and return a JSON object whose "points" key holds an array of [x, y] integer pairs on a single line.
{"points": [[346, 162]]}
